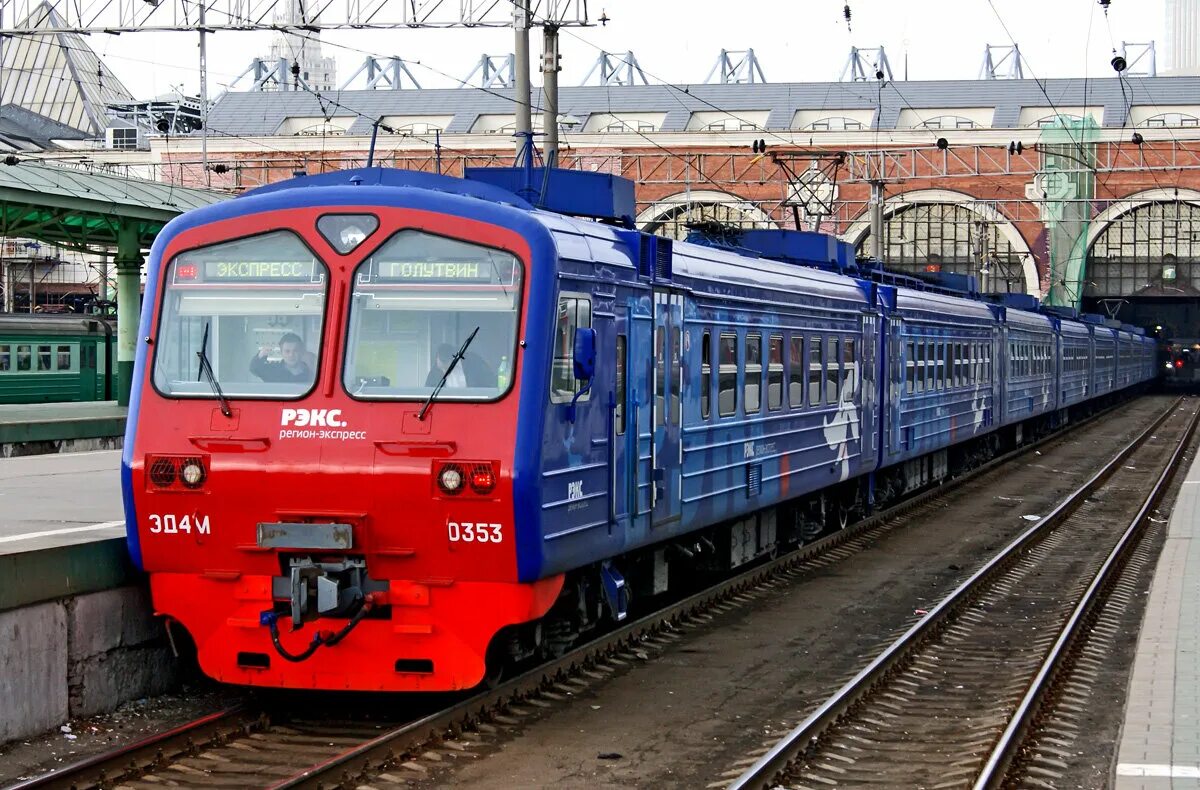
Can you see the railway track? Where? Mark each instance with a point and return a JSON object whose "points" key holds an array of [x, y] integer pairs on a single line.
{"points": [[950, 702], [246, 747]]}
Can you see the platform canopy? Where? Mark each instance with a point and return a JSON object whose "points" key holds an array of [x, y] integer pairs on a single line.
{"points": [[84, 211]]}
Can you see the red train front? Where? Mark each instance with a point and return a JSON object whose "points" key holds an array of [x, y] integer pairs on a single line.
{"points": [[313, 502]]}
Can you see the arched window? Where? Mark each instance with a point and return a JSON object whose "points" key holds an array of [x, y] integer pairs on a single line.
{"points": [[673, 222], [948, 122], [945, 237], [835, 124], [1153, 250], [417, 128], [1171, 119]]}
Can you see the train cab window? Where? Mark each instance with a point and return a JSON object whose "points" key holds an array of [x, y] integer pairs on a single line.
{"points": [[622, 392], [705, 374], [816, 371], [727, 359], [775, 373], [24, 358], [252, 308], [418, 299], [796, 372], [910, 367], [753, 377], [63, 361], [832, 370], [849, 371], [5, 358]]}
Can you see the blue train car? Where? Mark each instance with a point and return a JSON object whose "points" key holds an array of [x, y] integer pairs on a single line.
{"points": [[943, 388], [1074, 362], [1027, 387]]}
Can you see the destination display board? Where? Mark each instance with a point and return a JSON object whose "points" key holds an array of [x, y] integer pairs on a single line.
{"points": [[501, 271], [234, 271]]}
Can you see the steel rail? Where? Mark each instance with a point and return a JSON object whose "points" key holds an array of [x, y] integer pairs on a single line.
{"points": [[159, 749], [180, 740], [996, 767], [799, 740], [357, 761]]}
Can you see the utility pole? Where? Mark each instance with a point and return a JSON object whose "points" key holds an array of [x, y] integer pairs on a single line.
{"points": [[550, 69], [877, 199], [524, 124]]}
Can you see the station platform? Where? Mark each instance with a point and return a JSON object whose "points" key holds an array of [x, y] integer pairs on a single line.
{"points": [[29, 429], [61, 527], [1160, 738]]}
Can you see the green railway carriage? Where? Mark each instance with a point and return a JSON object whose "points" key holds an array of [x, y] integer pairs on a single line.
{"points": [[55, 358]]}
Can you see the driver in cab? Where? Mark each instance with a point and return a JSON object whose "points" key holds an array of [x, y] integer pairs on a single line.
{"points": [[296, 365]]}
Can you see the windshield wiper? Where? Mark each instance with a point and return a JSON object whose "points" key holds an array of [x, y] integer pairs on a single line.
{"points": [[206, 369], [453, 361]]}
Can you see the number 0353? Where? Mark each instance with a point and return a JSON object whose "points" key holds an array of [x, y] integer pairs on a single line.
{"points": [[474, 532]]}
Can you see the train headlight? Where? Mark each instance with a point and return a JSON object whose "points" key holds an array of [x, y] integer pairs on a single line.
{"points": [[450, 480], [191, 473]]}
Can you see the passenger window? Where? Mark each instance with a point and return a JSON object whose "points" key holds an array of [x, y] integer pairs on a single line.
{"points": [[921, 368], [816, 371], [622, 393], [676, 376], [24, 357], [660, 375], [705, 374], [832, 370], [64, 358], [910, 366], [775, 373], [796, 373], [753, 378], [849, 371], [951, 365], [727, 376], [43, 358], [5, 358]]}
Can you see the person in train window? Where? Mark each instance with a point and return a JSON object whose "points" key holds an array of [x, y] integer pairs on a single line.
{"points": [[296, 366], [471, 371]]}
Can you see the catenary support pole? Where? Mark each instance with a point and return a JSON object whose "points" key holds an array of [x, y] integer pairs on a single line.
{"points": [[524, 120], [550, 69]]}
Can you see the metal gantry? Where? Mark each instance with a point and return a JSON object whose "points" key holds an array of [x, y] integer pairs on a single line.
{"points": [[617, 69], [128, 16], [866, 64], [736, 68]]}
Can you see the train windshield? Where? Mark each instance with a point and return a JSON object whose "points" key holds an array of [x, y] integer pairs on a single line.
{"points": [[415, 302], [253, 309]]}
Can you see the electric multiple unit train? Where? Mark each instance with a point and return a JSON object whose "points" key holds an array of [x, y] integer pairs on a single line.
{"points": [[396, 431]]}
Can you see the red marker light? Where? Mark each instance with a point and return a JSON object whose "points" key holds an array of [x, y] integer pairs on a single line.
{"points": [[483, 479], [933, 267], [186, 271], [1179, 363]]}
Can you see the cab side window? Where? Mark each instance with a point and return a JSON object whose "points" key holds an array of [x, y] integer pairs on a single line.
{"points": [[574, 312]]}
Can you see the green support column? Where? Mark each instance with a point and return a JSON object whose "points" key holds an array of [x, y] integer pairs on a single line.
{"points": [[129, 278]]}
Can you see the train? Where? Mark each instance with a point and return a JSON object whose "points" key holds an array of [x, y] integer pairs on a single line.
{"points": [[396, 431], [50, 358]]}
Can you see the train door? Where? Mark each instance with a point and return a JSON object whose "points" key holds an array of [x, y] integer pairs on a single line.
{"points": [[869, 424], [666, 407], [622, 430]]}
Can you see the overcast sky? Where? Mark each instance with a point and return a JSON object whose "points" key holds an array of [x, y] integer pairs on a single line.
{"points": [[678, 41]]}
